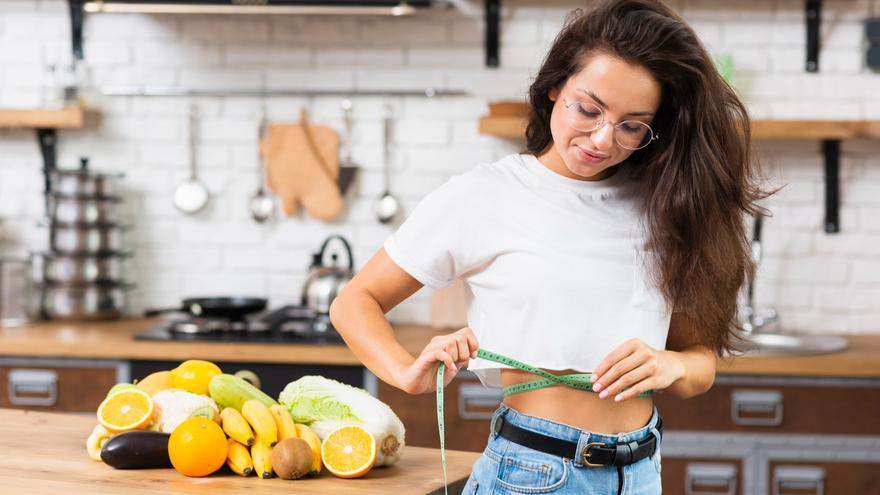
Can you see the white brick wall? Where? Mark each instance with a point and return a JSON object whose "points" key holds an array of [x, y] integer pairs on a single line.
{"points": [[819, 282]]}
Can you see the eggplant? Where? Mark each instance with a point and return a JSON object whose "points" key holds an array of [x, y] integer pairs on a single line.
{"points": [[137, 449]]}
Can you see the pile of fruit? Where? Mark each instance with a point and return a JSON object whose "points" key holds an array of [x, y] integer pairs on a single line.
{"points": [[197, 419]]}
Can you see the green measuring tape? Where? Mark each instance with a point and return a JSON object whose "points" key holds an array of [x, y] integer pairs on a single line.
{"points": [[580, 381]]}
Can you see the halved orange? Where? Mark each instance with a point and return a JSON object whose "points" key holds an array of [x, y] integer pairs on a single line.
{"points": [[349, 451], [126, 409]]}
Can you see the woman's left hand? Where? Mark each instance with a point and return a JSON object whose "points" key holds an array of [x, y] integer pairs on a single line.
{"points": [[634, 368]]}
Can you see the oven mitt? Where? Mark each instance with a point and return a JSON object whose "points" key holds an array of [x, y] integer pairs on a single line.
{"points": [[302, 168]]}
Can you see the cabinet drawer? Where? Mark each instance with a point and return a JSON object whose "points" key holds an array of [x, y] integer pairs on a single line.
{"points": [[468, 431], [797, 406], [57, 385], [787, 478], [701, 476]]}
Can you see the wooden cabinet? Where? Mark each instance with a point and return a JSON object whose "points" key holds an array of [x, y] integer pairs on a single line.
{"points": [[60, 385], [792, 436], [468, 408], [695, 475]]}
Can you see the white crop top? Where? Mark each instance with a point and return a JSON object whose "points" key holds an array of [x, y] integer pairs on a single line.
{"points": [[553, 267]]}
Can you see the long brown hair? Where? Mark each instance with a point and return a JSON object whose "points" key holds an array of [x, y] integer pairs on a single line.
{"points": [[698, 181]]}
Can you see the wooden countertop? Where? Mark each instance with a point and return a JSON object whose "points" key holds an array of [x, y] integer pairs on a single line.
{"points": [[113, 340], [44, 454]]}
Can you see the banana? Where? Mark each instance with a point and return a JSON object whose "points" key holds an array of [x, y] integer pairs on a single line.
{"points": [[261, 454], [283, 422], [96, 441], [257, 414], [236, 426], [239, 459], [314, 442]]}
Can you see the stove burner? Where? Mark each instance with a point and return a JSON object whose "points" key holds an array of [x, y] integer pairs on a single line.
{"points": [[286, 324]]}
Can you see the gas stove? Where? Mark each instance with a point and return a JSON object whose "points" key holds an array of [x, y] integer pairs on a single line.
{"points": [[289, 324]]}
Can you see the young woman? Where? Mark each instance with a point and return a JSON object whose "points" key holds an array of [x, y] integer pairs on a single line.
{"points": [[615, 245]]}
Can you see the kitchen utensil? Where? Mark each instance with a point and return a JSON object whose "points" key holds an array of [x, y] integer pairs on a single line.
{"points": [[82, 302], [82, 209], [91, 239], [191, 195], [83, 182], [59, 268], [262, 205], [16, 291], [387, 207], [325, 282], [347, 169], [216, 307], [302, 164]]}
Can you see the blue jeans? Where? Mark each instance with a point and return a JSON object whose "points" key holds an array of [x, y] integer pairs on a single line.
{"points": [[509, 468]]}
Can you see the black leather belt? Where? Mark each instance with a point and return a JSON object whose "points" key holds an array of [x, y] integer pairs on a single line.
{"points": [[595, 454]]}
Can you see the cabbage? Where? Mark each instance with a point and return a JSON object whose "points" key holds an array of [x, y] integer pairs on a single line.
{"points": [[326, 404]]}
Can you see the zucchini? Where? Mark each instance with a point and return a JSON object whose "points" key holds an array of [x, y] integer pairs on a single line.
{"points": [[137, 449], [232, 391]]}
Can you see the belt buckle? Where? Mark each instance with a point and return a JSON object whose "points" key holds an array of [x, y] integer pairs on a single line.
{"points": [[586, 455]]}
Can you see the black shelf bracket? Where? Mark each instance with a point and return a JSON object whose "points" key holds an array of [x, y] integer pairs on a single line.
{"points": [[76, 24], [831, 150], [493, 21], [814, 20], [47, 138]]}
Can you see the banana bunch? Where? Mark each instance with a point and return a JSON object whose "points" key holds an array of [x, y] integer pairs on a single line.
{"points": [[255, 430], [238, 458], [96, 441], [309, 435]]}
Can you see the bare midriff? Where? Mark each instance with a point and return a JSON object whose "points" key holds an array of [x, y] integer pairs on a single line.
{"points": [[578, 408]]}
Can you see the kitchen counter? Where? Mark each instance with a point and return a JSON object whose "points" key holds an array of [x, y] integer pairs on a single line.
{"points": [[114, 340], [44, 454]]}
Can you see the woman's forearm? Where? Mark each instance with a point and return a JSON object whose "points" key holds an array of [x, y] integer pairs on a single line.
{"points": [[699, 372], [360, 321]]}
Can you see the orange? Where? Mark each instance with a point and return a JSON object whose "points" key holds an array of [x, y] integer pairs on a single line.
{"points": [[156, 382], [197, 447], [194, 375], [126, 409], [349, 451]]}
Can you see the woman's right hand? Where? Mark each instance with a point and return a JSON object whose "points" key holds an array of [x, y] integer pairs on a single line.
{"points": [[454, 350]]}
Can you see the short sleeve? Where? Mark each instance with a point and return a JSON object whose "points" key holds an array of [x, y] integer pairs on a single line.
{"points": [[433, 243]]}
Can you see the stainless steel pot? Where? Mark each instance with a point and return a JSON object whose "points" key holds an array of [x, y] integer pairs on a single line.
{"points": [[82, 209], [16, 291], [83, 182], [77, 268], [82, 302], [86, 239]]}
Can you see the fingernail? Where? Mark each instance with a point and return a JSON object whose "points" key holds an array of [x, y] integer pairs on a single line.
{"points": [[603, 394], [618, 398], [454, 367], [594, 378], [597, 387]]}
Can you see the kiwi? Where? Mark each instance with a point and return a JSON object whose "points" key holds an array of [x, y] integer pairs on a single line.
{"points": [[291, 458]]}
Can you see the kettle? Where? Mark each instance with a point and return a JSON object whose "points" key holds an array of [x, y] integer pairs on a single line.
{"points": [[325, 282]]}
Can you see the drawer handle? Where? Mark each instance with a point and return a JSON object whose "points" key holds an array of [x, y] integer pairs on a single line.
{"points": [[713, 479], [39, 386], [477, 395], [800, 478], [756, 401]]}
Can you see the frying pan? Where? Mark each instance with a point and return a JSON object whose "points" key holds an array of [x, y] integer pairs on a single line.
{"points": [[216, 307]]}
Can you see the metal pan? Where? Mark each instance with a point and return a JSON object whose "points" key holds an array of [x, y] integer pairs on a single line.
{"points": [[83, 209], [59, 268], [86, 239], [216, 307], [82, 302]]}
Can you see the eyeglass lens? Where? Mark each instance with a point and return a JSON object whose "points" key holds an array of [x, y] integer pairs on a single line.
{"points": [[630, 134]]}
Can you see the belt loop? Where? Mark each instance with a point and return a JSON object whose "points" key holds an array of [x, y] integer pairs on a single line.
{"points": [[583, 441], [494, 425], [654, 431]]}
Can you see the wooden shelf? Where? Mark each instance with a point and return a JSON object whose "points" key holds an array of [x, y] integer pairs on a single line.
{"points": [[508, 119], [63, 118]]}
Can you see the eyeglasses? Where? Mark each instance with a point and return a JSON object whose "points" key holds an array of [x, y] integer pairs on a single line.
{"points": [[585, 116]]}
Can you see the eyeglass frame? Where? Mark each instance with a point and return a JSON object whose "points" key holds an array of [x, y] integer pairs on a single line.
{"points": [[602, 121]]}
